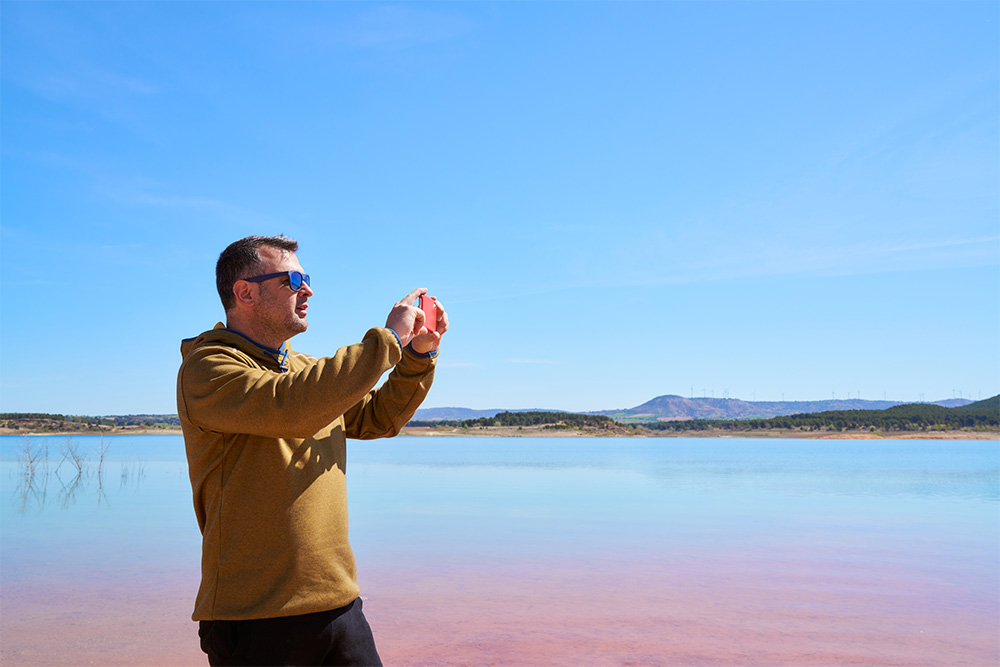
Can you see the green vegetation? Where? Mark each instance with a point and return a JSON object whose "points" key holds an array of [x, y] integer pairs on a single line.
{"points": [[520, 419], [56, 423], [981, 416]]}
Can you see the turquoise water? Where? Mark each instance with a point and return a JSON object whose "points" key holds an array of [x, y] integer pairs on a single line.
{"points": [[542, 495], [929, 510]]}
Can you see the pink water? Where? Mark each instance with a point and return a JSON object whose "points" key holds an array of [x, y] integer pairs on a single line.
{"points": [[721, 609], [727, 610]]}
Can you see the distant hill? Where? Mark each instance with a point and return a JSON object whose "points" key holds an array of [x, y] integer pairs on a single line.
{"points": [[672, 407], [462, 414], [949, 403], [662, 409], [981, 416], [989, 407]]}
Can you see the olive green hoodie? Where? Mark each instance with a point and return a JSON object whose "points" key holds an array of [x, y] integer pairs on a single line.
{"points": [[265, 432]]}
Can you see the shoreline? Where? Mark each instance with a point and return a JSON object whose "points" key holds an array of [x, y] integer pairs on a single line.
{"points": [[542, 432]]}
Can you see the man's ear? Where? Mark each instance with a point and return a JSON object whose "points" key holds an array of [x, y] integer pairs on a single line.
{"points": [[245, 293]]}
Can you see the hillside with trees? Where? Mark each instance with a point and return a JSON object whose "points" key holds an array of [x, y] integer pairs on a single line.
{"points": [[22, 422], [532, 419], [979, 416]]}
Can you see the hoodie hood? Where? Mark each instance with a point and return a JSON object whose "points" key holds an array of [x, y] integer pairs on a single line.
{"points": [[220, 335]]}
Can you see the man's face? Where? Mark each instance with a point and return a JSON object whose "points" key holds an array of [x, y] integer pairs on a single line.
{"points": [[280, 311]]}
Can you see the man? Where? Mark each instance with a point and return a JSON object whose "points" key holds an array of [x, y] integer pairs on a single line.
{"points": [[265, 431]]}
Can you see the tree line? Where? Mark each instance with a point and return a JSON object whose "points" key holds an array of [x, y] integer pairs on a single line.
{"points": [[17, 420], [535, 418], [982, 415]]}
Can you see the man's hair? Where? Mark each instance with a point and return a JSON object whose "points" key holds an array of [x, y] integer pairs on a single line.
{"points": [[241, 260]]}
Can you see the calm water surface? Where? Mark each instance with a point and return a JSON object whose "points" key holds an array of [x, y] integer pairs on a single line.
{"points": [[544, 550]]}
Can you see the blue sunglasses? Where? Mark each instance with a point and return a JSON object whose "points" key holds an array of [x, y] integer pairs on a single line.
{"points": [[295, 279]]}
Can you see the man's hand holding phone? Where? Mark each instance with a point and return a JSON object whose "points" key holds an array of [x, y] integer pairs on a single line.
{"points": [[418, 325]]}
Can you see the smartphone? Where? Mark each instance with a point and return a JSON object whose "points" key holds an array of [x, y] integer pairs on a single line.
{"points": [[429, 306]]}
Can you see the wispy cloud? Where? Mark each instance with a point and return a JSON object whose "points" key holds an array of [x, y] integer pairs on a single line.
{"points": [[87, 81], [533, 362], [217, 209], [764, 258], [403, 27], [386, 28], [645, 263], [458, 364], [90, 93], [891, 256]]}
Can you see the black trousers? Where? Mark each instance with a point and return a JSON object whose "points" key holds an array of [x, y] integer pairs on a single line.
{"points": [[338, 637]]}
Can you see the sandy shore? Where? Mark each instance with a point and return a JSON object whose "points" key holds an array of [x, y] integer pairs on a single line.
{"points": [[542, 432]]}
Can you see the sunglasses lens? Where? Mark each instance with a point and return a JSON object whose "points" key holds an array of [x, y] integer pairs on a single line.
{"points": [[295, 280]]}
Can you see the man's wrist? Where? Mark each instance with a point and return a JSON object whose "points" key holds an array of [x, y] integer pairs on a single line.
{"points": [[422, 355], [401, 348]]}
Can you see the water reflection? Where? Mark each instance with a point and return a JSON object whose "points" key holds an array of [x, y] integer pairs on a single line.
{"points": [[957, 470], [75, 475]]}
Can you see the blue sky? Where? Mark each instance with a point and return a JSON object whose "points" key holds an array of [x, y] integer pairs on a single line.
{"points": [[614, 201]]}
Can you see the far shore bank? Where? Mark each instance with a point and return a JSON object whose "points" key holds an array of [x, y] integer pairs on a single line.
{"points": [[542, 432]]}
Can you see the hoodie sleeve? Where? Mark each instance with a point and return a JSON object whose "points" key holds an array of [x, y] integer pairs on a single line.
{"points": [[383, 412], [223, 390]]}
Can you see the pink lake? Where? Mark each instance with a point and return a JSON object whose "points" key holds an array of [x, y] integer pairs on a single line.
{"points": [[553, 552]]}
